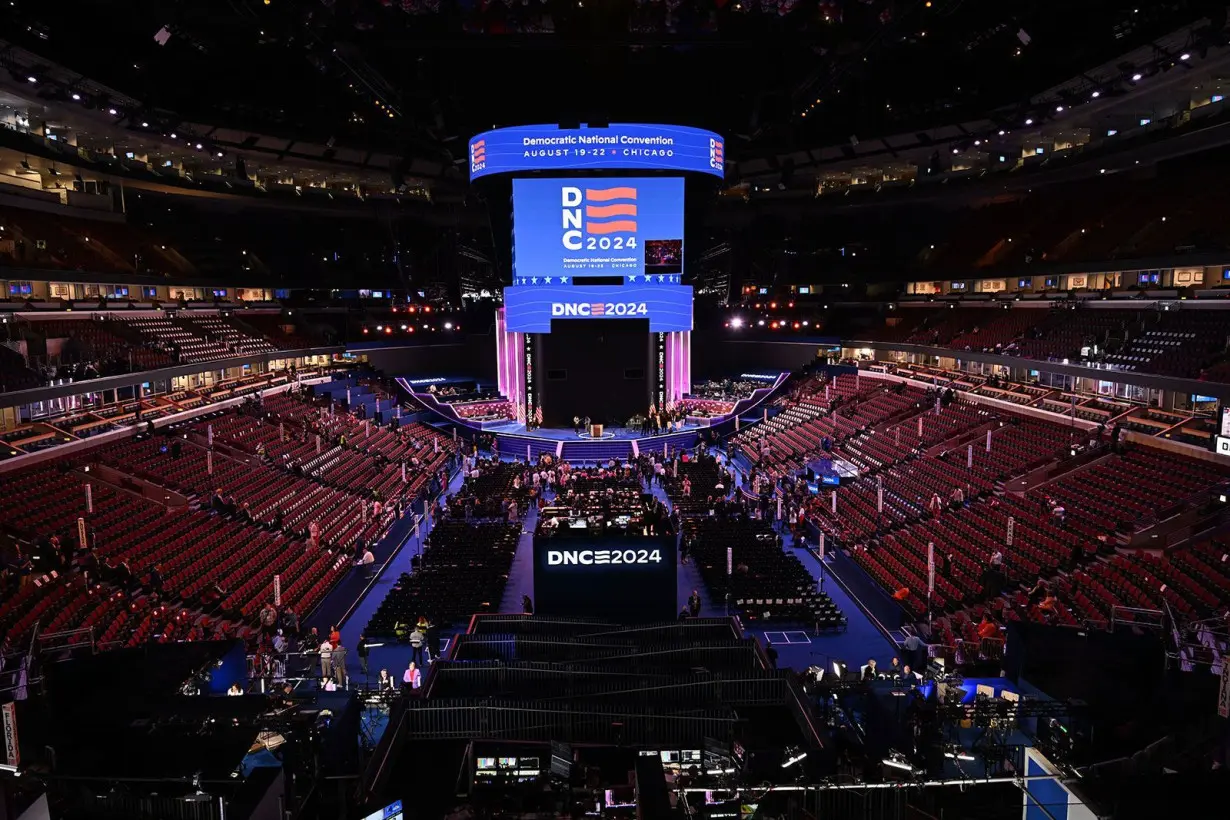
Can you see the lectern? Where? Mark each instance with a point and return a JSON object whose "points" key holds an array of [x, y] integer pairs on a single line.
{"points": [[595, 431]]}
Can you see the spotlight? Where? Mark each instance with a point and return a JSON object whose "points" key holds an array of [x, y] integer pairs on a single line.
{"points": [[32, 79], [1029, 121], [112, 112], [736, 322], [76, 97], [1137, 78], [1185, 56], [448, 325]]}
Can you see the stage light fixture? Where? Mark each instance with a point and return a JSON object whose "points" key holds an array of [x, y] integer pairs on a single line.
{"points": [[1137, 78], [1029, 121], [1185, 56], [793, 755], [448, 325], [736, 322], [76, 97]]}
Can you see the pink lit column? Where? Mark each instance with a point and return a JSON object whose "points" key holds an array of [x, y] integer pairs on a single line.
{"points": [[509, 353], [678, 364]]}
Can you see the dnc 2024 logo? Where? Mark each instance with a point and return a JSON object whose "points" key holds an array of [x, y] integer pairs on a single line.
{"points": [[599, 218], [478, 156], [717, 158]]}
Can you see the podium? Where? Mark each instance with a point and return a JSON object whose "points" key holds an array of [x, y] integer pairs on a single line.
{"points": [[595, 431]]}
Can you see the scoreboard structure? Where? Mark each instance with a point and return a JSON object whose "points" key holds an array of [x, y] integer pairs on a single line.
{"points": [[604, 250]]}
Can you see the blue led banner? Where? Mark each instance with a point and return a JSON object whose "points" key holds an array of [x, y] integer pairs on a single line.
{"points": [[597, 227], [619, 147], [531, 309]]}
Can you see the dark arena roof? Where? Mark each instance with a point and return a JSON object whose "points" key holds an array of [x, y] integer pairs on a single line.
{"points": [[614, 408]]}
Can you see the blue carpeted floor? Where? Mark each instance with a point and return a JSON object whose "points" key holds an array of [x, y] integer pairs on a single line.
{"points": [[860, 641], [393, 657], [521, 575], [796, 644]]}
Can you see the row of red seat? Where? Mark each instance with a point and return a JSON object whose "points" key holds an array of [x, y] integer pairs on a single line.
{"points": [[206, 560]]}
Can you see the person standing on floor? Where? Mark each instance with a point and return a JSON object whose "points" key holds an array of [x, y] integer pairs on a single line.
{"points": [[412, 677], [418, 643], [362, 650], [326, 660]]}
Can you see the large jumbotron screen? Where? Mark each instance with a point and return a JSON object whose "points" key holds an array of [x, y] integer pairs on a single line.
{"points": [[565, 228], [608, 248]]}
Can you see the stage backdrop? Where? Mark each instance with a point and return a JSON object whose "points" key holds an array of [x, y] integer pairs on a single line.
{"points": [[624, 579], [594, 367]]}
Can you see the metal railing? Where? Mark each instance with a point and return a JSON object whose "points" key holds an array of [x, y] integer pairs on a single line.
{"points": [[1148, 618]]}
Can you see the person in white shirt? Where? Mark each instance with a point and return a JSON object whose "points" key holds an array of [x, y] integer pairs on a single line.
{"points": [[326, 659], [235, 690], [368, 558]]}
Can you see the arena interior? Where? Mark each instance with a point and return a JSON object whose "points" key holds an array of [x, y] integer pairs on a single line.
{"points": [[626, 409]]}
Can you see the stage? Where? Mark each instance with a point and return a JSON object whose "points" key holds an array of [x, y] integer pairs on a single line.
{"points": [[622, 443], [513, 428], [617, 442]]}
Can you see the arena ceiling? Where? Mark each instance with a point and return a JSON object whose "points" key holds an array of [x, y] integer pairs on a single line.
{"points": [[417, 77]]}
